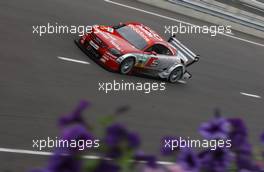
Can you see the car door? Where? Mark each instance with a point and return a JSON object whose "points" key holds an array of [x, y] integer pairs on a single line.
{"points": [[157, 58]]}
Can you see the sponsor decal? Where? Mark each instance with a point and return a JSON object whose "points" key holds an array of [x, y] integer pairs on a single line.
{"points": [[153, 61]]}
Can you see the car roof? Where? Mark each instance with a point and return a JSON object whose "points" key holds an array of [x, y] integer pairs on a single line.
{"points": [[149, 35]]}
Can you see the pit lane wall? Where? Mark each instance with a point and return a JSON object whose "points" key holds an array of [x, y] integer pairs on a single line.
{"points": [[216, 13]]}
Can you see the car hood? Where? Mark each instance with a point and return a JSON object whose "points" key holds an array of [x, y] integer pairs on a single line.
{"points": [[113, 40]]}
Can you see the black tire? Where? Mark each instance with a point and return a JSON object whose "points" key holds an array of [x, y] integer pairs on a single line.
{"points": [[176, 75], [127, 65]]}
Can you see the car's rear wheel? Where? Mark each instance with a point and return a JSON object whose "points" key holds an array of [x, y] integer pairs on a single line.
{"points": [[127, 65], [176, 75]]}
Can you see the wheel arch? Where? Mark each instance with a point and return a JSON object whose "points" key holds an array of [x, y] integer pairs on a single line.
{"points": [[120, 59], [177, 66]]}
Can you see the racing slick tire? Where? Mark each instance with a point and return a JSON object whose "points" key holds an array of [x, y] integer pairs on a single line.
{"points": [[175, 75], [127, 65]]}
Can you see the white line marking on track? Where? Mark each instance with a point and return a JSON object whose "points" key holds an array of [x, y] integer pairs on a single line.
{"points": [[42, 153], [251, 95], [73, 60], [173, 19]]}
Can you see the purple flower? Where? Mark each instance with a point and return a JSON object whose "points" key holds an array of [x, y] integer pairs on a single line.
{"points": [[114, 152], [238, 126], [238, 134], [240, 145], [244, 161], [117, 134], [166, 149], [216, 161], [149, 169], [150, 160], [75, 116], [119, 140], [175, 168], [107, 166], [79, 134], [262, 138], [189, 160], [60, 162], [40, 170], [244, 157], [65, 157], [217, 128], [133, 140]]}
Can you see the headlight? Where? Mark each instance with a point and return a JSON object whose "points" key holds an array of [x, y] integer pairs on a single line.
{"points": [[115, 52]]}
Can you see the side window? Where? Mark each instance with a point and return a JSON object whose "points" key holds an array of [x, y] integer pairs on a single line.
{"points": [[149, 49], [159, 49]]}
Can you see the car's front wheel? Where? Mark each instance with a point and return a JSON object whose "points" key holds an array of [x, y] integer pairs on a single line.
{"points": [[127, 65], [176, 75]]}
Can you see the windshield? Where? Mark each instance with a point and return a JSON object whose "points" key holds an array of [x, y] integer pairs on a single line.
{"points": [[132, 37]]}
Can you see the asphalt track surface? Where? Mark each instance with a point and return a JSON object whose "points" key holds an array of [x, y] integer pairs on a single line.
{"points": [[36, 87]]}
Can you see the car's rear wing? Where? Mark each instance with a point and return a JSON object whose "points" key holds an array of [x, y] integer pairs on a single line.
{"points": [[188, 56]]}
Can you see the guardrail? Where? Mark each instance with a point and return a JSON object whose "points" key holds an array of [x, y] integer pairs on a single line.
{"points": [[221, 12], [253, 3]]}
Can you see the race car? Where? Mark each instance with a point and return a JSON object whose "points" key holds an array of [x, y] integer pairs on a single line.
{"points": [[133, 47]]}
